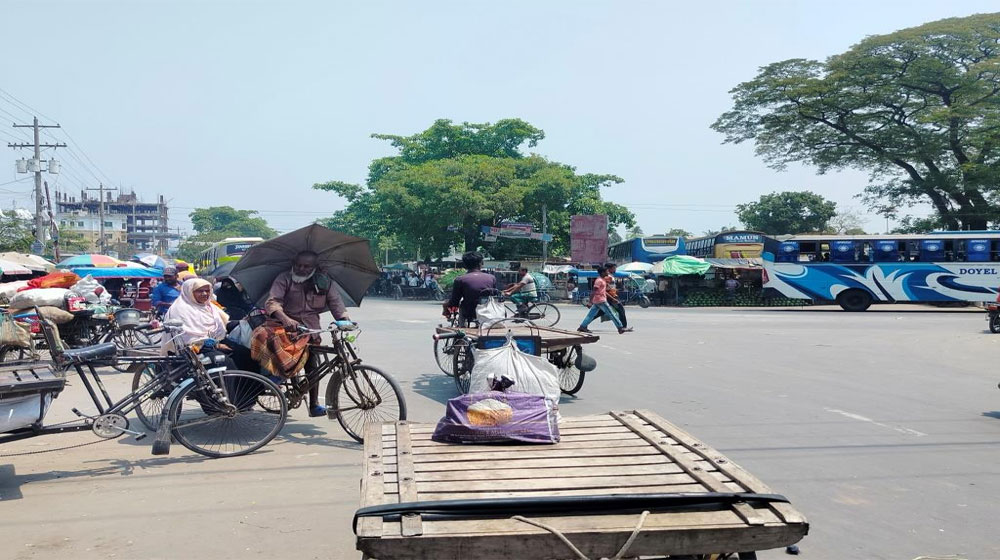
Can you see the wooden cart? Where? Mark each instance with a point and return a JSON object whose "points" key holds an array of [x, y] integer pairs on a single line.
{"points": [[699, 502], [564, 349]]}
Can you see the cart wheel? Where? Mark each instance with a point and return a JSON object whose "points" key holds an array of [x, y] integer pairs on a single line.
{"points": [[995, 323], [644, 302], [571, 378], [462, 366]]}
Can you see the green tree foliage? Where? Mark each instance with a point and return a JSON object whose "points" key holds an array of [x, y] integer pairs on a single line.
{"points": [[15, 233], [635, 232], [614, 237], [679, 232], [714, 232], [919, 109], [451, 179], [219, 222], [787, 212], [846, 222], [910, 224]]}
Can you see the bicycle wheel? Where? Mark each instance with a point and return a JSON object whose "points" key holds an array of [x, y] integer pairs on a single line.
{"points": [[443, 352], [125, 338], [206, 425], [571, 378], [151, 406], [363, 395], [462, 362], [644, 301], [543, 314], [511, 310], [13, 353]]}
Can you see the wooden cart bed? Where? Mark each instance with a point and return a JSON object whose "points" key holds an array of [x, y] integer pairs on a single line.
{"points": [[631, 453], [552, 338]]}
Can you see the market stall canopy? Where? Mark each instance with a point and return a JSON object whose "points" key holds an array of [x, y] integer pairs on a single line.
{"points": [[557, 268], [747, 263], [346, 259], [636, 267], [150, 260], [32, 262], [397, 266], [134, 271], [681, 265], [9, 268], [542, 281], [89, 260]]}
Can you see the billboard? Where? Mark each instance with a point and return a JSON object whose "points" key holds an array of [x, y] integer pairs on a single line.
{"points": [[588, 238]]}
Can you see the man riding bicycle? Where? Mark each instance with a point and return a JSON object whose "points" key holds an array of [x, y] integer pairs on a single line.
{"points": [[469, 288], [298, 296], [524, 291]]}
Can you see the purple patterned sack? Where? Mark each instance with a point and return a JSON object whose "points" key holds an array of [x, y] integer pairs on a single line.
{"points": [[498, 417]]}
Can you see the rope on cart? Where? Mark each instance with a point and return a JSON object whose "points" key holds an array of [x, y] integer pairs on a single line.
{"points": [[581, 556]]}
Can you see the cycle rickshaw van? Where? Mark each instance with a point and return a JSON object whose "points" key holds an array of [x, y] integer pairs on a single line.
{"points": [[26, 391]]}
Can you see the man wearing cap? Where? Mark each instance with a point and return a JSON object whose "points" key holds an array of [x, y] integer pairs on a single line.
{"points": [[166, 292], [184, 272]]}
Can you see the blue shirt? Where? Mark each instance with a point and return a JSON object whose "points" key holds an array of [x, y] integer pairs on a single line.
{"points": [[164, 294]]}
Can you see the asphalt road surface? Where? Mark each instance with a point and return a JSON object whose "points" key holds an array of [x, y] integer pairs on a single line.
{"points": [[882, 427]]}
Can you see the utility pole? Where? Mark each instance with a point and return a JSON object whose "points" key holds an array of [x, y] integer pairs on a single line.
{"points": [[545, 229], [52, 223], [39, 209], [100, 211]]}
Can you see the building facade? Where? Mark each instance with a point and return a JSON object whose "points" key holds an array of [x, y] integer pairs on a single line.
{"points": [[129, 224]]}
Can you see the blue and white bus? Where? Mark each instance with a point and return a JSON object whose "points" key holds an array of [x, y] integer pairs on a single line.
{"points": [[859, 270], [649, 249]]}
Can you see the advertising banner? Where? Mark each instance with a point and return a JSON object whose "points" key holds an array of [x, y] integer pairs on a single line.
{"points": [[588, 238]]}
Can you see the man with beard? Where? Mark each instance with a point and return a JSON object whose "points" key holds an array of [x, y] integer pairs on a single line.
{"points": [[299, 296]]}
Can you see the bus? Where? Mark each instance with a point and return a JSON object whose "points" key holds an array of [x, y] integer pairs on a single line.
{"points": [[650, 249], [228, 250], [856, 271], [730, 245]]}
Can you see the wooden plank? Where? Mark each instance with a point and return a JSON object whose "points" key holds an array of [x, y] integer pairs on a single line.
{"points": [[685, 462], [576, 492], [505, 474], [533, 453], [372, 484], [602, 426], [451, 466], [446, 449], [723, 464], [566, 423], [412, 524], [586, 437], [597, 482]]}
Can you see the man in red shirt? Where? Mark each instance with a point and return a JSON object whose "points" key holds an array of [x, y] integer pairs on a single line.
{"points": [[599, 302]]}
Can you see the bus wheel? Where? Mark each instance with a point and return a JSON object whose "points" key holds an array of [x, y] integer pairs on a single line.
{"points": [[854, 300]]}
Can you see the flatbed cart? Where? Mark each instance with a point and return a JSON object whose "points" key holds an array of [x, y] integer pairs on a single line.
{"points": [[617, 485], [564, 349]]}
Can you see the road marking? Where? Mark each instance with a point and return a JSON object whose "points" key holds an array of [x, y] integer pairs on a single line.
{"points": [[416, 321], [861, 418]]}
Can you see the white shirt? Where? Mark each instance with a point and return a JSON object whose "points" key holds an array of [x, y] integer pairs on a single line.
{"points": [[528, 286]]}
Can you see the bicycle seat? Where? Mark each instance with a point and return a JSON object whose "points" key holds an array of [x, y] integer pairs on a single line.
{"points": [[91, 353]]}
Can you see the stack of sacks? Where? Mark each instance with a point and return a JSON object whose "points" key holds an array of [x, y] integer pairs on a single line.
{"points": [[8, 289], [90, 290]]}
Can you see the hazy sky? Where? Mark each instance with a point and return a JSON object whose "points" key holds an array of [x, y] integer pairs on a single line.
{"points": [[250, 103]]}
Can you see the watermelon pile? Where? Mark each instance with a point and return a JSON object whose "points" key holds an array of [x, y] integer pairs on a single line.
{"points": [[716, 297]]}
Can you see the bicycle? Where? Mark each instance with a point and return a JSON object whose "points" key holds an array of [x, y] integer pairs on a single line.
{"points": [[202, 405], [538, 312], [444, 350], [357, 394]]}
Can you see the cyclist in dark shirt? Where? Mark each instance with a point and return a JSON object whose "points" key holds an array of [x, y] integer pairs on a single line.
{"points": [[468, 288]]}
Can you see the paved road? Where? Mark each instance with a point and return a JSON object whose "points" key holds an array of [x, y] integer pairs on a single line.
{"points": [[882, 427]]}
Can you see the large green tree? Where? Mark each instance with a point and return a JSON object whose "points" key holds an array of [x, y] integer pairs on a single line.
{"points": [[216, 223], [787, 212], [919, 109], [448, 181], [16, 233]]}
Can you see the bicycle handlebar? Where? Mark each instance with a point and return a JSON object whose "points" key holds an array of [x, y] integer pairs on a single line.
{"points": [[445, 336]]}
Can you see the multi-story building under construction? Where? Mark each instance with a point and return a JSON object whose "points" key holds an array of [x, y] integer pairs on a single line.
{"points": [[129, 224]]}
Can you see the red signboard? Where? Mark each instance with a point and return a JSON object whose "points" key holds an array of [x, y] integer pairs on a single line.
{"points": [[588, 238]]}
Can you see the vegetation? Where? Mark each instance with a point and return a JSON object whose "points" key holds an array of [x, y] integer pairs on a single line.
{"points": [[219, 222], [787, 212]]}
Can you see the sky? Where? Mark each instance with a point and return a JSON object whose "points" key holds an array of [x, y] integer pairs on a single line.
{"points": [[249, 104]]}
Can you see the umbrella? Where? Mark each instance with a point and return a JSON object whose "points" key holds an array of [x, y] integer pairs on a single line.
{"points": [[150, 260], [345, 258], [680, 265], [636, 267], [133, 271], [91, 260], [223, 270], [33, 262], [13, 268]]}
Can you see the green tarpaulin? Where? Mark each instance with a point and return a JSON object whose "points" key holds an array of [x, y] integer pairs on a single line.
{"points": [[681, 265]]}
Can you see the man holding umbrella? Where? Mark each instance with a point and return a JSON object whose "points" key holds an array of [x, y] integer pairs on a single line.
{"points": [[299, 296]]}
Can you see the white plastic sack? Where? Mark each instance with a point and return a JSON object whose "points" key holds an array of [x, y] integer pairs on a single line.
{"points": [[41, 297], [8, 289], [86, 289], [531, 374], [490, 311]]}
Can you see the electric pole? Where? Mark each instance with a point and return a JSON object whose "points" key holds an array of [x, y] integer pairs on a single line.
{"points": [[100, 212], [545, 229], [39, 209]]}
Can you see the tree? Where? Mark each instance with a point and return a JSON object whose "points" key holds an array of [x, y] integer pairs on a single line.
{"points": [[635, 232], [787, 212], [614, 237], [714, 232], [679, 232], [846, 222], [450, 180], [230, 221], [15, 232], [919, 109], [910, 224]]}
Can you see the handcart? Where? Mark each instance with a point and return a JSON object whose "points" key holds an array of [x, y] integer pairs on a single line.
{"points": [[564, 349], [617, 485]]}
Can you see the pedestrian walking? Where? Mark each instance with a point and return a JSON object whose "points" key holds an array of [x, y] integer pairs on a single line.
{"points": [[599, 303]]}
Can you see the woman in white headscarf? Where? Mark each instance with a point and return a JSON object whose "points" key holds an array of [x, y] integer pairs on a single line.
{"points": [[199, 316]]}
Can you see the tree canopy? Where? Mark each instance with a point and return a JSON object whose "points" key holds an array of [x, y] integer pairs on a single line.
{"points": [[787, 212], [216, 223], [16, 233], [919, 109], [451, 179]]}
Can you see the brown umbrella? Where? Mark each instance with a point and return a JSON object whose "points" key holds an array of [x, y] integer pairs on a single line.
{"points": [[344, 258]]}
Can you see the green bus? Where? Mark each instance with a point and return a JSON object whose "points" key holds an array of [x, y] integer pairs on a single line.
{"points": [[229, 249]]}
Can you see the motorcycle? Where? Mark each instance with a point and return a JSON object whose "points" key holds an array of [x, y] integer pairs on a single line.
{"points": [[993, 317]]}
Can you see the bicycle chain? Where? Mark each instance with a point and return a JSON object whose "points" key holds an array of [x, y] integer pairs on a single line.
{"points": [[40, 451]]}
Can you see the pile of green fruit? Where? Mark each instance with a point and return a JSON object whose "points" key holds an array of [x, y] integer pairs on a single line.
{"points": [[716, 297]]}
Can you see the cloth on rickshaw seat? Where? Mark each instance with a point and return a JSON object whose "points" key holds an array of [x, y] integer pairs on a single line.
{"points": [[276, 351], [498, 417]]}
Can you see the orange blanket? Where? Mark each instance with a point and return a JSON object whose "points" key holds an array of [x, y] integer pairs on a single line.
{"points": [[271, 346]]}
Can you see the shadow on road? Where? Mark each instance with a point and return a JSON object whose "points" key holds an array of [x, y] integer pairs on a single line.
{"points": [[308, 434], [435, 386]]}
